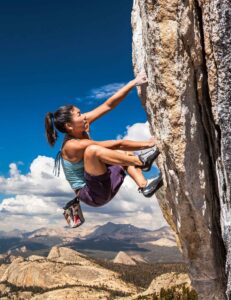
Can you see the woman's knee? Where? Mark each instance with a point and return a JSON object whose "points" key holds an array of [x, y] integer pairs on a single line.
{"points": [[92, 150]]}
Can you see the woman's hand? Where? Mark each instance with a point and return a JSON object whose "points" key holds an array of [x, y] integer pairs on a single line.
{"points": [[151, 142], [141, 78]]}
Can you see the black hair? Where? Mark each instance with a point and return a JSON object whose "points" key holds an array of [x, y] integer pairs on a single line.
{"points": [[57, 120]]}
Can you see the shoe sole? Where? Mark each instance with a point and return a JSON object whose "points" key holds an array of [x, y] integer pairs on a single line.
{"points": [[159, 185], [149, 167]]}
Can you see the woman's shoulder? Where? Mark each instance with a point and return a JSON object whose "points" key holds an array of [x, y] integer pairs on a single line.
{"points": [[72, 151]]}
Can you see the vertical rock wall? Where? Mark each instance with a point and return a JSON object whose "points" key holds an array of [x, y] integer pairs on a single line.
{"points": [[184, 46]]}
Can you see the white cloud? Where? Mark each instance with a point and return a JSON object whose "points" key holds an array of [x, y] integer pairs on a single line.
{"points": [[138, 131], [100, 93], [38, 196], [14, 170], [29, 205], [105, 91], [11, 221], [36, 199], [39, 181], [130, 206]]}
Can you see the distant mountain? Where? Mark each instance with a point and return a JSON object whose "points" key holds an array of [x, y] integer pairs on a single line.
{"points": [[138, 258], [163, 242], [108, 230], [16, 233], [117, 231], [112, 228], [65, 233], [124, 258], [164, 231], [100, 241], [105, 244], [129, 232], [109, 239], [51, 232]]}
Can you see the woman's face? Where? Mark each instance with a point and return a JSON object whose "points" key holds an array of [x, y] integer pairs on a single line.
{"points": [[79, 121]]}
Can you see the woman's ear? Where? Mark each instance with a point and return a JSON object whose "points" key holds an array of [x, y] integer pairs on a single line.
{"points": [[68, 127]]}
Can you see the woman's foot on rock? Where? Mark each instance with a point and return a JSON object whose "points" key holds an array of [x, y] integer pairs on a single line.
{"points": [[148, 158], [152, 186]]}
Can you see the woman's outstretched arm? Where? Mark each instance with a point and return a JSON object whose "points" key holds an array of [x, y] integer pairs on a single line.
{"points": [[114, 100], [126, 145]]}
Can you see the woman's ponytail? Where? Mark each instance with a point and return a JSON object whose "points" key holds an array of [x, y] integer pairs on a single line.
{"points": [[57, 120], [51, 133]]}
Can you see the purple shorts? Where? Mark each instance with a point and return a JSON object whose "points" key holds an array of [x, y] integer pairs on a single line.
{"points": [[102, 188]]}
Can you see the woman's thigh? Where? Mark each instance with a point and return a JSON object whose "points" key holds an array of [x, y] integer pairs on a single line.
{"points": [[128, 153], [92, 164]]}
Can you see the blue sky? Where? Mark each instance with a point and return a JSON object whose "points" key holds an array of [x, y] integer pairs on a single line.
{"points": [[54, 53]]}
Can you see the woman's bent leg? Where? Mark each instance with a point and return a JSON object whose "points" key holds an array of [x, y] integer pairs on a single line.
{"points": [[96, 158], [137, 175]]}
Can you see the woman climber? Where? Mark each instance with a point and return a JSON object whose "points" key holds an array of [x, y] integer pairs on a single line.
{"points": [[96, 170]]}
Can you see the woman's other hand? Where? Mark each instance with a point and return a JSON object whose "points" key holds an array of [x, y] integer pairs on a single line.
{"points": [[141, 78]]}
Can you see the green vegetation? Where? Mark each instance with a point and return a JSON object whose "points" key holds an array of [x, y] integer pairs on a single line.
{"points": [[142, 274], [14, 289], [178, 292]]}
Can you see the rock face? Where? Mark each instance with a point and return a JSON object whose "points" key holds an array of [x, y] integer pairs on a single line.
{"points": [[184, 46], [63, 272], [138, 258], [123, 258], [68, 274], [168, 280]]}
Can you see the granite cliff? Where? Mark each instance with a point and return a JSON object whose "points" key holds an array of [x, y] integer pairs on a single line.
{"points": [[184, 47]]}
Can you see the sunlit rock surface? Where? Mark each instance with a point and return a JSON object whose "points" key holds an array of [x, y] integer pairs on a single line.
{"points": [[184, 46], [124, 258], [63, 271]]}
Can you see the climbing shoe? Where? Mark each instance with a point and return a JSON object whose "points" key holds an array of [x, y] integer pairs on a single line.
{"points": [[152, 186], [148, 158]]}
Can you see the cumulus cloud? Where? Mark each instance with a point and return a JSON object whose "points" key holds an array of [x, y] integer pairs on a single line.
{"points": [[39, 181], [138, 131], [29, 206], [100, 93], [105, 91], [131, 207], [36, 199]]}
